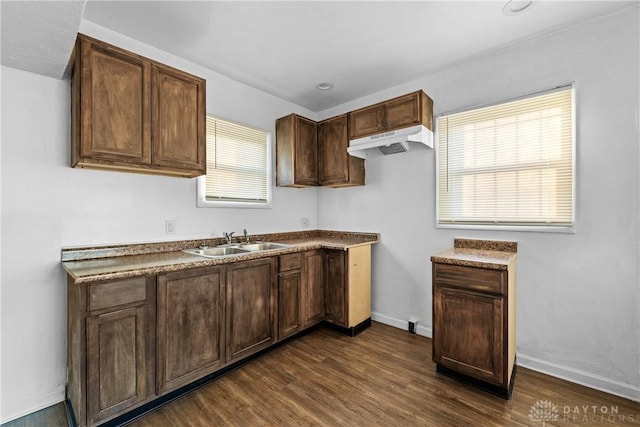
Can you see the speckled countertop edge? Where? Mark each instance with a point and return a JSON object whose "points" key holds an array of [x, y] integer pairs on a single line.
{"points": [[90, 264], [491, 254]]}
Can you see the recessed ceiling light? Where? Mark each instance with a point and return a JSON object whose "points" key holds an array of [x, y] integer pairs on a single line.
{"points": [[324, 86], [513, 7]]}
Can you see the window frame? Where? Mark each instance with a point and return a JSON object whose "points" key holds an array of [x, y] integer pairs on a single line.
{"points": [[566, 229], [201, 181]]}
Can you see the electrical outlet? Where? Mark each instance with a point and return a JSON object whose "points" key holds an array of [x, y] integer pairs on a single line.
{"points": [[170, 226], [304, 221], [413, 325]]}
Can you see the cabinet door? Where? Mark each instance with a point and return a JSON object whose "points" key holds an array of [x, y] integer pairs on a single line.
{"points": [[336, 167], [116, 361], [178, 120], [402, 112], [296, 151], [366, 121], [289, 303], [314, 283], [251, 292], [306, 152], [335, 297], [468, 332], [113, 117], [190, 328], [332, 151]]}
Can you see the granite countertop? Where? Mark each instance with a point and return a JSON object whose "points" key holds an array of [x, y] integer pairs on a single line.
{"points": [[97, 263], [492, 254]]}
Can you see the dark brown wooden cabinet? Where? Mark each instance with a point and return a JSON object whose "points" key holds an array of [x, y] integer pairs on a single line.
{"points": [[290, 288], [335, 291], [110, 355], [250, 307], [336, 167], [132, 114], [179, 140], [474, 323], [190, 333], [296, 152], [310, 153], [313, 287], [132, 341], [397, 113]]}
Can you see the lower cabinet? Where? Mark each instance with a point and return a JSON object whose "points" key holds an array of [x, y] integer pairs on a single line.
{"points": [[116, 363], [335, 296], [347, 299], [250, 307], [313, 287], [190, 332], [474, 324], [132, 341], [111, 331], [470, 332], [290, 286]]}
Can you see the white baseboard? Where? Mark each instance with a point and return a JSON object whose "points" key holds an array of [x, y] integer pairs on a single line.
{"points": [[580, 377], [12, 409], [401, 324]]}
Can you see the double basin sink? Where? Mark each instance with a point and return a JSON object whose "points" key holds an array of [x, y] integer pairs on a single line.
{"points": [[239, 249]]}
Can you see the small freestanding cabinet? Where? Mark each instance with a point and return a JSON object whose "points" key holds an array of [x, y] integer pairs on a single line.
{"points": [[474, 313]]}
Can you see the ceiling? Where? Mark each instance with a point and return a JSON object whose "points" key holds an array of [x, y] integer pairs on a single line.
{"points": [[286, 48]]}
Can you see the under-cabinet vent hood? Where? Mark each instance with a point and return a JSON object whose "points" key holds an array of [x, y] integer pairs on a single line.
{"points": [[396, 141]]}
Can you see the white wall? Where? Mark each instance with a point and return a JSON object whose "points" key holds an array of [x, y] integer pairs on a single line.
{"points": [[47, 205], [578, 294]]}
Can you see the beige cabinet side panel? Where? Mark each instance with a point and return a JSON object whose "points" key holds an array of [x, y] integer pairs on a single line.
{"points": [[359, 276]]}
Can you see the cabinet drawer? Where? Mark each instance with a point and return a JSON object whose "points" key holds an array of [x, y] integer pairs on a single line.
{"points": [[290, 262], [111, 294], [480, 279]]}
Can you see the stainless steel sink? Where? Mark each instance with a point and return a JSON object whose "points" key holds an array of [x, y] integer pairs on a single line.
{"points": [[236, 249], [217, 252], [264, 246]]}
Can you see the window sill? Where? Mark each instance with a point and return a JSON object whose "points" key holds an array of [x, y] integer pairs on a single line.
{"points": [[527, 228]]}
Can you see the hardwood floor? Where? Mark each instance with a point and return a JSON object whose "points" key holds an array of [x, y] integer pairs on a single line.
{"points": [[382, 377]]}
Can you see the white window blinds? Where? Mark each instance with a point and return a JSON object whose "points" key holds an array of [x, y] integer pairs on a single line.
{"points": [[237, 168], [508, 164]]}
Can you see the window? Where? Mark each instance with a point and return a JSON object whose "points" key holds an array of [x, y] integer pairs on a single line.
{"points": [[509, 165], [238, 166]]}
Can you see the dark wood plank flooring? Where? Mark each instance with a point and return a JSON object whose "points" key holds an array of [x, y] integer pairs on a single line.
{"points": [[382, 377]]}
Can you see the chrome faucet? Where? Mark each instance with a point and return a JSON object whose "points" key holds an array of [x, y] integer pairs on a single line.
{"points": [[228, 236], [246, 236]]}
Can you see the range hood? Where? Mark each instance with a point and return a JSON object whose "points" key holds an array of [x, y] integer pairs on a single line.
{"points": [[397, 141]]}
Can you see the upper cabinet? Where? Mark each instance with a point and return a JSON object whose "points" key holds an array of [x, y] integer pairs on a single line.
{"points": [[133, 114], [296, 151], [336, 167], [397, 113], [179, 120], [310, 153]]}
